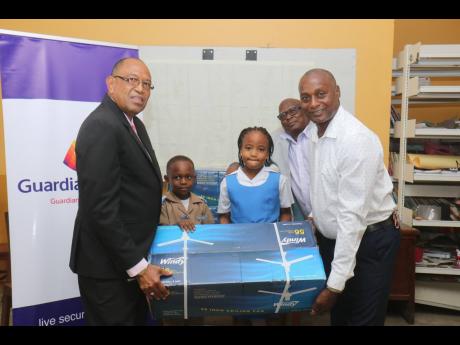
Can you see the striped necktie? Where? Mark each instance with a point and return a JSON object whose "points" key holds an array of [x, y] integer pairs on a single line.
{"points": [[133, 127]]}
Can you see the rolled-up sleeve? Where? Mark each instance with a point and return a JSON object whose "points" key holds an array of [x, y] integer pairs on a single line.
{"points": [[224, 200]]}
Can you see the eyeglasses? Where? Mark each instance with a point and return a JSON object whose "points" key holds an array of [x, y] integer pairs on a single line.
{"points": [[291, 111], [134, 82]]}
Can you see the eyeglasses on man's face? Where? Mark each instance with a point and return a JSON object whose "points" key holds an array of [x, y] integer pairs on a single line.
{"points": [[290, 112], [134, 82]]}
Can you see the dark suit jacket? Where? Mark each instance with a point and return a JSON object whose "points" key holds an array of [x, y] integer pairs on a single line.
{"points": [[119, 195]]}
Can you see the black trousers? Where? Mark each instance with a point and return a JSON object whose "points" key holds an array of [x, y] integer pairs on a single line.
{"points": [[365, 297], [111, 302]]}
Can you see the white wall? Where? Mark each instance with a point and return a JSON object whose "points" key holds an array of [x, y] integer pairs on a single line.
{"points": [[199, 107]]}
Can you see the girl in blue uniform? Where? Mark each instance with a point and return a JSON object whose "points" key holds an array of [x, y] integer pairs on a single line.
{"points": [[255, 193]]}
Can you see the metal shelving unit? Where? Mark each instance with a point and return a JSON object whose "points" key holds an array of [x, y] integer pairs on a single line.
{"points": [[437, 270], [416, 61]]}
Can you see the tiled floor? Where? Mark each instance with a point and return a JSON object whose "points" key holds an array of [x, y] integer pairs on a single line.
{"points": [[424, 316]]}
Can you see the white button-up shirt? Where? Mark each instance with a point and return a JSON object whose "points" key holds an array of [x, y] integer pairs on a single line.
{"points": [[350, 188], [298, 166]]}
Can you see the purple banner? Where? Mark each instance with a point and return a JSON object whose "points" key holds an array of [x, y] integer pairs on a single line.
{"points": [[67, 312], [36, 68]]}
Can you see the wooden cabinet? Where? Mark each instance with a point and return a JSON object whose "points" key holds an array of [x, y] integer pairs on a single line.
{"points": [[402, 288]]}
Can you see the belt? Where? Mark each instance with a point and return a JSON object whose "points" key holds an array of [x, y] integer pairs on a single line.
{"points": [[379, 225]]}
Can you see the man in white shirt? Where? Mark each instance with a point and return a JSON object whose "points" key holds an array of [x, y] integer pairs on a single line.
{"points": [[352, 207], [290, 153]]}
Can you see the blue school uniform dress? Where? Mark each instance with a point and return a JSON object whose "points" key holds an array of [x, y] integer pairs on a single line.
{"points": [[255, 204]]}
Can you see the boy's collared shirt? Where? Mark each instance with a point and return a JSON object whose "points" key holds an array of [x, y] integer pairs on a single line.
{"points": [[173, 210]]}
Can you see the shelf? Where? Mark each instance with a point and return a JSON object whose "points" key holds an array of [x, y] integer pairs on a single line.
{"points": [[436, 223], [433, 190], [432, 178], [431, 60], [429, 56], [430, 71], [407, 219], [436, 177], [438, 294], [414, 62], [426, 92], [433, 133], [437, 270], [429, 92], [433, 100]]}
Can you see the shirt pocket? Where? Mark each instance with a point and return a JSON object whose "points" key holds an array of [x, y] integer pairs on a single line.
{"points": [[329, 175]]}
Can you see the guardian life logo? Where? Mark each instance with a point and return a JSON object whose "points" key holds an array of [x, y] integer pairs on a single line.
{"points": [[293, 240], [28, 185], [70, 158], [172, 261]]}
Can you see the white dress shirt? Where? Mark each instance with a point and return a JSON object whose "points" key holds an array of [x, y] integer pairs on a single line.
{"points": [[350, 188], [286, 199], [298, 167]]}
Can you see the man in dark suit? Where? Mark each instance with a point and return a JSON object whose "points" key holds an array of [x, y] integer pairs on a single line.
{"points": [[120, 189]]}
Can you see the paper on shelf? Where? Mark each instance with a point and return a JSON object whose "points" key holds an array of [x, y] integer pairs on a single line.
{"points": [[423, 161]]}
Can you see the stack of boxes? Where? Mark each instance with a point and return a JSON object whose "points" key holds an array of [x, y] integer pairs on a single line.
{"points": [[208, 187]]}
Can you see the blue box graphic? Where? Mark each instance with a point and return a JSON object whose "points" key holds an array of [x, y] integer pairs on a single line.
{"points": [[238, 269]]}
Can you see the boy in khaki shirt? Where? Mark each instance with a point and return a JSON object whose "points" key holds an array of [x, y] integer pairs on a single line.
{"points": [[184, 208], [181, 206]]}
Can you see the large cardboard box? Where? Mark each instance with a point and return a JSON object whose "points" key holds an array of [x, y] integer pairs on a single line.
{"points": [[238, 269]]}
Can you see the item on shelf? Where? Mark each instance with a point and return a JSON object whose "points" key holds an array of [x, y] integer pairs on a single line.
{"points": [[438, 278], [427, 212], [418, 254], [429, 261], [429, 208], [436, 148], [451, 123], [423, 161], [436, 253], [457, 263], [435, 171], [395, 116], [421, 125], [447, 209], [415, 148], [444, 243]]}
